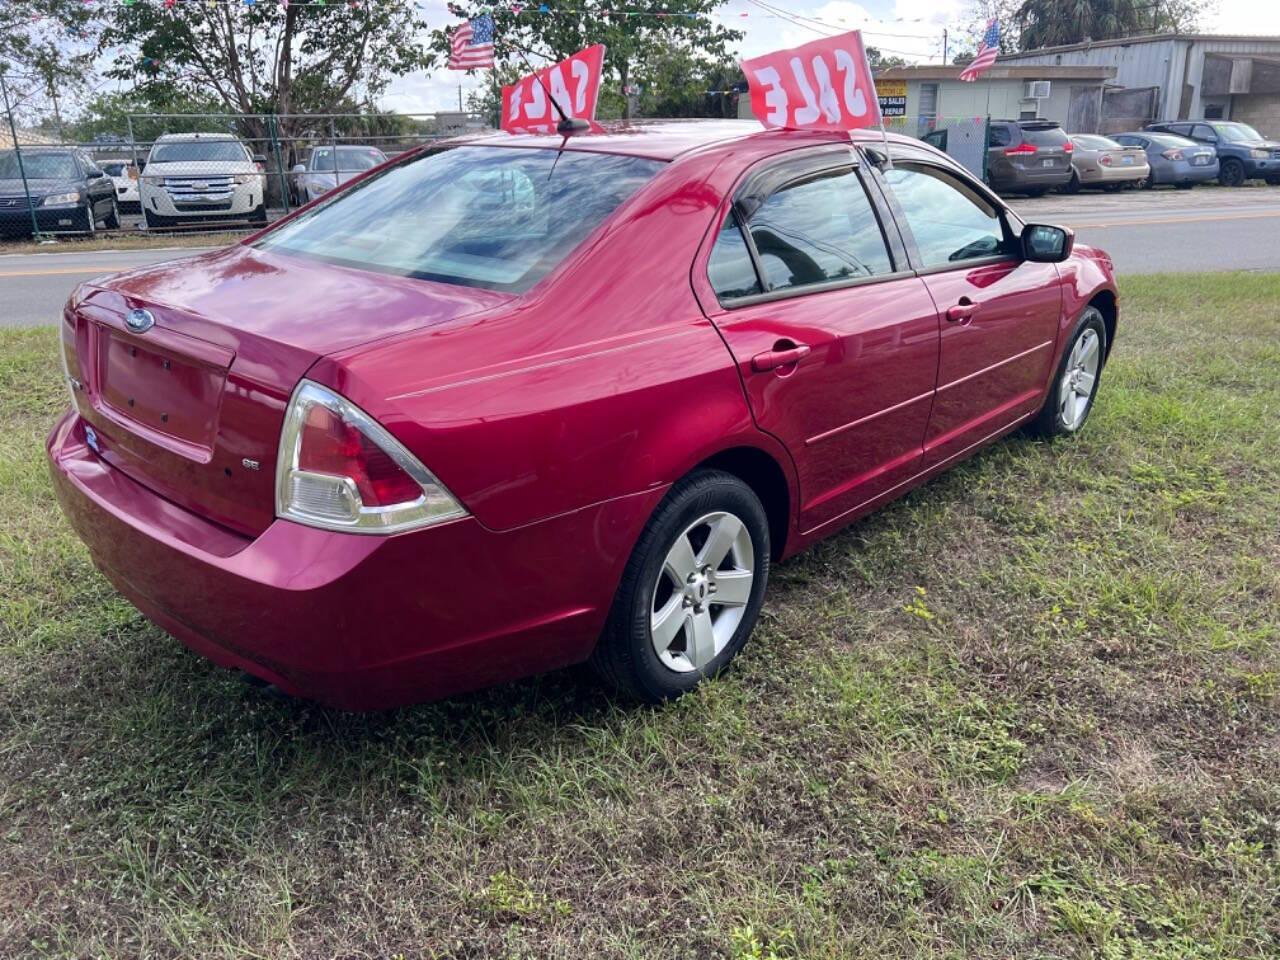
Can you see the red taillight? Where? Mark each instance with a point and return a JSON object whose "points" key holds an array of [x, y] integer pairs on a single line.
{"points": [[1068, 147], [1021, 148], [330, 445], [1104, 160], [1173, 153]]}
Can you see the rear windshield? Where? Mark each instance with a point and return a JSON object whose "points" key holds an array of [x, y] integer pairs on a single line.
{"points": [[1091, 142], [38, 166], [196, 151], [493, 217], [1170, 140], [1044, 136], [363, 158]]}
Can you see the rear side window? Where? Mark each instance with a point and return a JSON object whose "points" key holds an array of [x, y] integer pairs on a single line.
{"points": [[819, 230], [950, 222], [730, 270], [999, 136], [1044, 136], [493, 217]]}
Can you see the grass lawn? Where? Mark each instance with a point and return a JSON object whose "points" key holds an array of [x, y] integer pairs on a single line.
{"points": [[156, 240], [1030, 710]]}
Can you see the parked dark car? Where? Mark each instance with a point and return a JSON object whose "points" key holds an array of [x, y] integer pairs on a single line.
{"points": [[1173, 159], [1027, 156], [1243, 153], [70, 193]]}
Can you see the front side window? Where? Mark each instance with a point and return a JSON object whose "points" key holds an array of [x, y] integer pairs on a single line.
{"points": [[1202, 131], [493, 217], [950, 221], [819, 230]]}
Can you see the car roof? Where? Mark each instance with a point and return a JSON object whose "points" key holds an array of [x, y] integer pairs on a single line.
{"points": [[670, 139], [166, 137]]}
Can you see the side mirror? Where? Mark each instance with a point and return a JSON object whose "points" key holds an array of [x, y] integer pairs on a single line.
{"points": [[1042, 243], [299, 168], [259, 158]]}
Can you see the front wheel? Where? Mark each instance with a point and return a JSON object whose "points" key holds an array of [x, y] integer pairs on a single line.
{"points": [[691, 591], [112, 221], [1076, 384], [260, 214]]}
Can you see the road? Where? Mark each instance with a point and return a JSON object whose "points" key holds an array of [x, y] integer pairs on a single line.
{"points": [[1156, 231]]}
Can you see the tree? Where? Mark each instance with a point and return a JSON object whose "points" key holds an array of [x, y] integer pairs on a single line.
{"points": [[633, 42], [263, 58], [1049, 23], [46, 48]]}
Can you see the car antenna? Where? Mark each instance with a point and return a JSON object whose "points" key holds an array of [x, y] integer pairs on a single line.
{"points": [[568, 125]]}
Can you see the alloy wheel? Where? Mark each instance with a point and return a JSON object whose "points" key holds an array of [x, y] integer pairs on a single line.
{"points": [[1075, 391], [702, 591]]}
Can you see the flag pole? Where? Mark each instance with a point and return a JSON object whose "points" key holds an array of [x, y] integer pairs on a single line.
{"points": [[884, 133]]}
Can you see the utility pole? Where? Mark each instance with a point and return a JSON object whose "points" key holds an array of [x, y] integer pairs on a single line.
{"points": [[459, 98], [944, 46]]}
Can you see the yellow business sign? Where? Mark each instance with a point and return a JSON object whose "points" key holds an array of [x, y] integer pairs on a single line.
{"points": [[892, 95]]}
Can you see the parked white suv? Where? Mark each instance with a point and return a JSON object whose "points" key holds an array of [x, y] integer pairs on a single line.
{"points": [[201, 178]]}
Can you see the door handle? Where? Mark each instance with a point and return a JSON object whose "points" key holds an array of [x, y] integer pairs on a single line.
{"points": [[780, 356], [962, 311]]}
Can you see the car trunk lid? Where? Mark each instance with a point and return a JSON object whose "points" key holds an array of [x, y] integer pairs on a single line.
{"points": [[189, 398]]}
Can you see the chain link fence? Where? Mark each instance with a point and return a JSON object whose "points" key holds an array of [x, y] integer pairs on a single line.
{"points": [[168, 173]]}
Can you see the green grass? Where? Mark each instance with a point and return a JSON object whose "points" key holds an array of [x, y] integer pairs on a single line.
{"points": [[1030, 710]]}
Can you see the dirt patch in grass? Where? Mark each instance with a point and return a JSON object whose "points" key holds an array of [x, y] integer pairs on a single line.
{"points": [[1029, 710]]}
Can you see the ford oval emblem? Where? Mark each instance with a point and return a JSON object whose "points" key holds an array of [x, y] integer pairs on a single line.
{"points": [[140, 321]]}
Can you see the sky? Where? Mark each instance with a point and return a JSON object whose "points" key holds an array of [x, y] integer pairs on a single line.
{"points": [[912, 29]]}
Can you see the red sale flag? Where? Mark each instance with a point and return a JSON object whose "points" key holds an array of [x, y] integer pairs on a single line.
{"points": [[824, 85], [530, 104]]}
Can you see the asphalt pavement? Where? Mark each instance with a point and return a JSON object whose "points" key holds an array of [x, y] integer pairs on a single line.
{"points": [[1149, 232]]}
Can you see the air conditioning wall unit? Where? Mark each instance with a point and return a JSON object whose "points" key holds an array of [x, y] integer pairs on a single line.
{"points": [[1036, 90]]}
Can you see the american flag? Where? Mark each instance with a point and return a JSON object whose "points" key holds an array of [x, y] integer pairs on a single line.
{"points": [[987, 51], [472, 44]]}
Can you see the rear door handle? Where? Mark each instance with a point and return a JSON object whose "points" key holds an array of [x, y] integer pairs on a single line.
{"points": [[962, 311], [773, 359]]}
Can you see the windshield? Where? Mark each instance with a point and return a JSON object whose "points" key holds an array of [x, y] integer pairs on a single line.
{"points": [[38, 166], [193, 151], [1236, 132], [493, 217], [359, 158], [1044, 136]]}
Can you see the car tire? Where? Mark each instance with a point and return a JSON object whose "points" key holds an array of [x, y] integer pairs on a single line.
{"points": [[1067, 406], [1072, 185], [259, 215], [1184, 186], [153, 220], [1037, 192], [1231, 173], [1146, 183], [88, 222], [666, 631], [112, 220]]}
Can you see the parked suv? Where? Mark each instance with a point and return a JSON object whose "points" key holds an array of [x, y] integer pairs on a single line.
{"points": [[1243, 153], [1027, 156], [317, 175], [69, 191], [201, 178]]}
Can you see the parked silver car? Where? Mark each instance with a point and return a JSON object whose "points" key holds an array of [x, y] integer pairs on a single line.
{"points": [[1175, 160], [320, 173], [1100, 162]]}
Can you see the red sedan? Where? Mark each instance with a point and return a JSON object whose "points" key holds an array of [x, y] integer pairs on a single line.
{"points": [[519, 404]]}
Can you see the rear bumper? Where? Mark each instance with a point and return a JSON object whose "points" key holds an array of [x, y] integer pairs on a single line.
{"points": [[357, 622], [1113, 174], [1179, 171]]}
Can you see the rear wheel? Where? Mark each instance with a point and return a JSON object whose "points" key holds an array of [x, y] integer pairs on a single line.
{"points": [[112, 221], [1073, 185], [691, 591], [259, 215], [1231, 173], [1185, 186], [1076, 384]]}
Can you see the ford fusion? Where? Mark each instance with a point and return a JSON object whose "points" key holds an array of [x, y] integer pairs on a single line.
{"points": [[531, 401]]}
